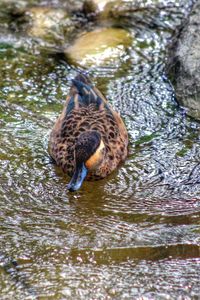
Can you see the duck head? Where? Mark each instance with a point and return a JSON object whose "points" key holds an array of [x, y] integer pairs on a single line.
{"points": [[89, 154]]}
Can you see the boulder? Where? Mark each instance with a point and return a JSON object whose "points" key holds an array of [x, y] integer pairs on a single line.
{"points": [[183, 65]]}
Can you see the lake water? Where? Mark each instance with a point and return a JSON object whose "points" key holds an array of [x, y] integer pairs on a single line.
{"points": [[133, 235]]}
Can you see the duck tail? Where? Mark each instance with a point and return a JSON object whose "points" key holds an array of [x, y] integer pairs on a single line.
{"points": [[83, 93], [81, 77], [84, 88]]}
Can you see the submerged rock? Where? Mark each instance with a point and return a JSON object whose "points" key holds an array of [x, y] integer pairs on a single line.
{"points": [[100, 46], [184, 64]]}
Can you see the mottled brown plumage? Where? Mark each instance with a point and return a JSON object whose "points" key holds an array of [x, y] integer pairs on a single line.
{"points": [[87, 111]]}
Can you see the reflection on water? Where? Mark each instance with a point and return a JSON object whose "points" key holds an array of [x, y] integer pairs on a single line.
{"points": [[135, 234]]}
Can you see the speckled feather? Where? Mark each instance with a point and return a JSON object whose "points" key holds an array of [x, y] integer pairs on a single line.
{"points": [[87, 109]]}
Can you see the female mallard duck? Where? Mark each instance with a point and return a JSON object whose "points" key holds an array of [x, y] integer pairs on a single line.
{"points": [[89, 139]]}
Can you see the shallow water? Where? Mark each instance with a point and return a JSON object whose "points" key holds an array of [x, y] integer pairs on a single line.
{"points": [[134, 235]]}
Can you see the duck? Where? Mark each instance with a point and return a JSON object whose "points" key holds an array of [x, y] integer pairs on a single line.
{"points": [[89, 139]]}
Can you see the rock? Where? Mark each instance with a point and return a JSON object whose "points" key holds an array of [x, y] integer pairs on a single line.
{"points": [[47, 23], [100, 46], [13, 4], [94, 6], [111, 8], [183, 65]]}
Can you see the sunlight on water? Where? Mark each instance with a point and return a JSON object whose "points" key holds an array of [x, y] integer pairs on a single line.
{"points": [[135, 234]]}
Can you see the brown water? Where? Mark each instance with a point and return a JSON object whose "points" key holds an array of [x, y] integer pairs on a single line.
{"points": [[134, 235]]}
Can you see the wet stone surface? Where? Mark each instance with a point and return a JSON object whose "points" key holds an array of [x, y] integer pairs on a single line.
{"points": [[102, 46], [135, 234], [183, 64]]}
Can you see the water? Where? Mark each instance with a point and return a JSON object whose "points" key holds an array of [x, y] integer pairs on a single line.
{"points": [[134, 235]]}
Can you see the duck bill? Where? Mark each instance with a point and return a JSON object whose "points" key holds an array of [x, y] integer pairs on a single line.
{"points": [[78, 177]]}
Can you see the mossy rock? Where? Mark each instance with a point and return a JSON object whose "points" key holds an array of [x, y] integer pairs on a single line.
{"points": [[100, 46]]}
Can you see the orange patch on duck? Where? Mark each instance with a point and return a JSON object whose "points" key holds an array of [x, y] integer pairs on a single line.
{"points": [[96, 158]]}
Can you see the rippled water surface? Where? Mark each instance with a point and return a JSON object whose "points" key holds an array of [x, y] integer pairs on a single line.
{"points": [[134, 235]]}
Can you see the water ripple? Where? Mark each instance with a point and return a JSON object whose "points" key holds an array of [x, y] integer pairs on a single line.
{"points": [[134, 234]]}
